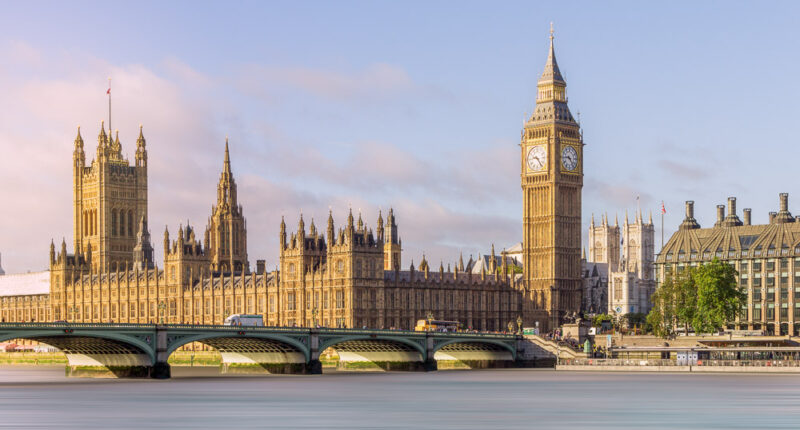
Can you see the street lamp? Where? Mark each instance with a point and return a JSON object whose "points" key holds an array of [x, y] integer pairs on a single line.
{"points": [[161, 307], [430, 318], [74, 311], [314, 317], [510, 327], [519, 324]]}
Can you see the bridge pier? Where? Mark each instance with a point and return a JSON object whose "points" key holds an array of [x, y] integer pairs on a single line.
{"points": [[430, 364], [161, 369], [314, 365]]}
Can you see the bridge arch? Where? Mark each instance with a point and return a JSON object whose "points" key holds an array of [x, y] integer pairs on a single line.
{"points": [[96, 353], [252, 351], [374, 351], [497, 343], [332, 342], [59, 339]]}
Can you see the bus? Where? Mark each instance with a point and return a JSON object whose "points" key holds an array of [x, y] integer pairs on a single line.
{"points": [[243, 319], [437, 325]]}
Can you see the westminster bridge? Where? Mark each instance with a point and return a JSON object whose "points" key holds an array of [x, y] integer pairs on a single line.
{"points": [[142, 350]]}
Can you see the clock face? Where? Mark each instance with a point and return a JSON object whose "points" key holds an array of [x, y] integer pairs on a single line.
{"points": [[537, 158], [569, 158]]}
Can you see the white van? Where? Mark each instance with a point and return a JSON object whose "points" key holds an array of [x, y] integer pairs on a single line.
{"points": [[245, 320]]}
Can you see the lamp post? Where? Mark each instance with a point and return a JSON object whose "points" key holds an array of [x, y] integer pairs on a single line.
{"points": [[314, 317], [510, 327], [430, 318], [519, 324], [74, 311], [161, 307]]}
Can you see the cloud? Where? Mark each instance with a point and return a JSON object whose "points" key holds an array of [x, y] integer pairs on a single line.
{"points": [[378, 80], [683, 170], [445, 203]]}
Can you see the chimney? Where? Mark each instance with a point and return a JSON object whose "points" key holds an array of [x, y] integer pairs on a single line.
{"points": [[784, 202], [720, 213], [747, 216], [732, 206], [690, 209], [260, 267], [772, 217]]}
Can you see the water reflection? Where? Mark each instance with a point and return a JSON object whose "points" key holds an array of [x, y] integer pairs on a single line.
{"points": [[40, 397]]}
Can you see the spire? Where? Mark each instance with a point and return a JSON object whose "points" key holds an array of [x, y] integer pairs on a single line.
{"points": [[551, 72], [591, 224], [79, 140], [227, 164], [301, 226], [461, 262], [102, 139], [616, 220], [140, 141], [650, 217]]}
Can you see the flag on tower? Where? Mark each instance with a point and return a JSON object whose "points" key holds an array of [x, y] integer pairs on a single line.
{"points": [[663, 209]]}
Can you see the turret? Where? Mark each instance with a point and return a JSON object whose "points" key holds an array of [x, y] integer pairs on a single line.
{"points": [[141, 149], [330, 230], [283, 233], [166, 241], [380, 227]]}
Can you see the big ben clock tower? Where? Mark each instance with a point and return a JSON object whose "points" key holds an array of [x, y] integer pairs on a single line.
{"points": [[552, 179]]}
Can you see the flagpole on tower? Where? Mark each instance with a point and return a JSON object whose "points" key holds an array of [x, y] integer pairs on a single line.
{"points": [[663, 211], [109, 106]]}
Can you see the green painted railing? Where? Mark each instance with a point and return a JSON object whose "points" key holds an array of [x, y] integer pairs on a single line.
{"points": [[294, 330]]}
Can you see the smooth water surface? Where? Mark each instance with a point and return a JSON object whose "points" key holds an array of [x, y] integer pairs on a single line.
{"points": [[41, 397]]}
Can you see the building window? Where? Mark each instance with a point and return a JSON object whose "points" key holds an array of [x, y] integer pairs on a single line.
{"points": [[272, 303], [325, 300], [290, 301], [340, 299], [308, 300]]}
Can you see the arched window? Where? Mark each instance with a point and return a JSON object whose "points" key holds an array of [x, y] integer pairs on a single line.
{"points": [[114, 222], [131, 228]]}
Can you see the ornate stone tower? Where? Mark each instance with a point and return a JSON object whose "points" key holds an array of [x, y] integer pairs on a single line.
{"points": [[552, 179], [226, 234], [110, 197], [604, 243], [392, 246]]}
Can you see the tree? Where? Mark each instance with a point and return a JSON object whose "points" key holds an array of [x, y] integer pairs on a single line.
{"points": [[662, 318], [719, 297], [704, 298]]}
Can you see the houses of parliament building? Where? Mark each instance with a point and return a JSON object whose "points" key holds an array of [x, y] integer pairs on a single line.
{"points": [[348, 275]]}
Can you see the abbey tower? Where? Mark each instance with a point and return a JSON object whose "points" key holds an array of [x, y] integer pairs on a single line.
{"points": [[552, 179]]}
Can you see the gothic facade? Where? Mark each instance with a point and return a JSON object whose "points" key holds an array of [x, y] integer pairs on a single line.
{"points": [[352, 276], [623, 261]]}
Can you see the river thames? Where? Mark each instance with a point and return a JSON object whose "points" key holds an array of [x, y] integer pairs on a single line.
{"points": [[42, 398]]}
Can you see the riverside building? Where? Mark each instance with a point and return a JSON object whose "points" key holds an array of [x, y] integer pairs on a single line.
{"points": [[766, 256]]}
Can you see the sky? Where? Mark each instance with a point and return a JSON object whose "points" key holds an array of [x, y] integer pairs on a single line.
{"points": [[412, 105]]}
